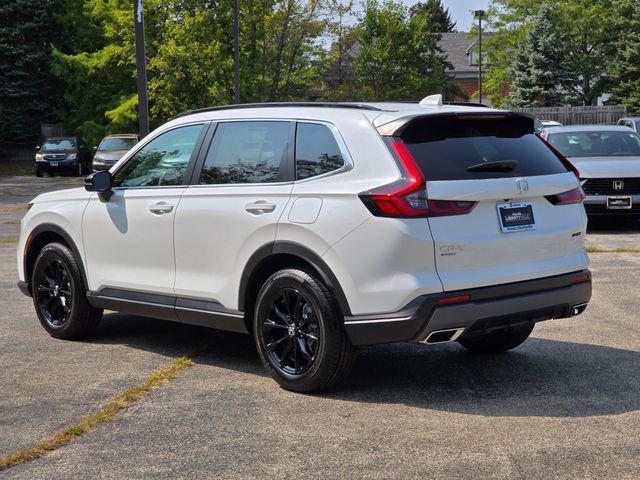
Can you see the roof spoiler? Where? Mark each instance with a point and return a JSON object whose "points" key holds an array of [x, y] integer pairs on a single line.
{"points": [[397, 127]]}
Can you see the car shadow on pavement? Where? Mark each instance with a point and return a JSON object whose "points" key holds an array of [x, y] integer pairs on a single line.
{"points": [[542, 377]]}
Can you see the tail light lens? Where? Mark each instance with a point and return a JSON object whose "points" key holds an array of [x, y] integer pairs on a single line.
{"points": [[407, 198], [565, 198], [568, 165]]}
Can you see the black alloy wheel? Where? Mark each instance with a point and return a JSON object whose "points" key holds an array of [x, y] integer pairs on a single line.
{"points": [[54, 292], [291, 333], [299, 332], [59, 294]]}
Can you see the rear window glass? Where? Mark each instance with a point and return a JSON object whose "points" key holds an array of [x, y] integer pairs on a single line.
{"points": [[446, 146], [247, 152], [596, 144]]}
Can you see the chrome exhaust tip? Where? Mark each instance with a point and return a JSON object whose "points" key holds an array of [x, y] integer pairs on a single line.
{"points": [[578, 309], [440, 336]]}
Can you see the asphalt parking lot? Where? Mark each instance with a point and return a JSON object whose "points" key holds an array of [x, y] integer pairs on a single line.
{"points": [[566, 404]]}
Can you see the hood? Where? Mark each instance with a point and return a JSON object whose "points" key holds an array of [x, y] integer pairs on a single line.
{"points": [[110, 155], [78, 193], [607, 167], [58, 150]]}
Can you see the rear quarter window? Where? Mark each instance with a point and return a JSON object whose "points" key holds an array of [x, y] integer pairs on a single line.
{"points": [[446, 146]]}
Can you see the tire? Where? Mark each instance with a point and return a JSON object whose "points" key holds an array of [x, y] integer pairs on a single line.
{"points": [[59, 294], [80, 170], [292, 309], [498, 341], [39, 173]]}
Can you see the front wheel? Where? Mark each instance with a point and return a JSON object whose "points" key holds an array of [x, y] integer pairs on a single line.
{"points": [[498, 341], [299, 332], [59, 294]]}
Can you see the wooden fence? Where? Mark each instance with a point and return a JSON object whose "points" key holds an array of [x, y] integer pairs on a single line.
{"points": [[586, 115], [23, 152]]}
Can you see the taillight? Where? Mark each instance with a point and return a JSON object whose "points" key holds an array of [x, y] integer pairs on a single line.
{"points": [[407, 197], [567, 164], [565, 198]]}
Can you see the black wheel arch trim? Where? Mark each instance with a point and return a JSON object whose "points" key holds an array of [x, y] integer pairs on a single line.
{"points": [[262, 255], [49, 228]]}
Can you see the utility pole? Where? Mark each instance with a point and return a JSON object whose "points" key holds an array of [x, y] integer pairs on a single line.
{"points": [[479, 14], [141, 65], [236, 51]]}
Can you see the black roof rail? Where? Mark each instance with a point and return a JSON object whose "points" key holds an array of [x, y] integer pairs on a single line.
{"points": [[468, 104], [360, 106]]}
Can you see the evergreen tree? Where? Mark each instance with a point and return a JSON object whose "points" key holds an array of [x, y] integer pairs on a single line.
{"points": [[26, 85], [438, 18], [624, 71], [538, 71]]}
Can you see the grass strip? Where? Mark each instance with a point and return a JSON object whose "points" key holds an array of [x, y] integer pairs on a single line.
{"points": [[8, 240], [615, 250], [106, 414]]}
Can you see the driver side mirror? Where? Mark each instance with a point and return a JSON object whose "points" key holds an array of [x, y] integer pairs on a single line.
{"points": [[100, 182]]}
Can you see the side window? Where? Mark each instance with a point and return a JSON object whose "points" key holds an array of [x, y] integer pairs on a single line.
{"points": [[317, 151], [247, 152], [162, 161]]}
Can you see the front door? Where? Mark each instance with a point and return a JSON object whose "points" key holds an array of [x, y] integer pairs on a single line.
{"points": [[128, 239]]}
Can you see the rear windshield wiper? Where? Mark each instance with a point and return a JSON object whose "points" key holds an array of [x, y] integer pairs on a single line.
{"points": [[498, 166]]}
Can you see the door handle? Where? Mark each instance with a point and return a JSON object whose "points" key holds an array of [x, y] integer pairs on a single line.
{"points": [[160, 208], [260, 207]]}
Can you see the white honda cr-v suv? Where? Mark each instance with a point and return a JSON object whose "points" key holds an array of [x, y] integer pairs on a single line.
{"points": [[318, 227]]}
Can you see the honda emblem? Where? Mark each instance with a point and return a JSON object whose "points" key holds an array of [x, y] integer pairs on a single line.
{"points": [[522, 185], [618, 185]]}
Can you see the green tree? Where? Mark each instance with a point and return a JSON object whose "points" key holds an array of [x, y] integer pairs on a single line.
{"points": [[587, 33], [624, 69], [438, 17], [337, 75], [538, 68], [397, 61], [26, 85]]}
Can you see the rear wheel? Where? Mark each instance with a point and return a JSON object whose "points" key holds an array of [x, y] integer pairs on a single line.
{"points": [[498, 341], [59, 294], [299, 332]]}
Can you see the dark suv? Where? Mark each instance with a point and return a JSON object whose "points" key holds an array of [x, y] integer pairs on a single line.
{"points": [[63, 155]]}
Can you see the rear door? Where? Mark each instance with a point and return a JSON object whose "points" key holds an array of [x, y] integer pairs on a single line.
{"points": [[525, 219], [232, 208]]}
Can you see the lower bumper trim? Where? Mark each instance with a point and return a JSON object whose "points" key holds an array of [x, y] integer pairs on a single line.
{"points": [[490, 308]]}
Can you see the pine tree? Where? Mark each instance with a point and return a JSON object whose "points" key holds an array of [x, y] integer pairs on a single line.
{"points": [[624, 71], [537, 71], [25, 58], [438, 18]]}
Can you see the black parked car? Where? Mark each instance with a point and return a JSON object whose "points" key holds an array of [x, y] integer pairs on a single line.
{"points": [[63, 155]]}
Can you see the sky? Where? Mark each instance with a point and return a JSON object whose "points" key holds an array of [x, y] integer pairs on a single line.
{"points": [[460, 11]]}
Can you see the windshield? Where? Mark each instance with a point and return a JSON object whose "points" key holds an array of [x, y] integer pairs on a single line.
{"points": [[596, 144], [117, 144], [59, 144]]}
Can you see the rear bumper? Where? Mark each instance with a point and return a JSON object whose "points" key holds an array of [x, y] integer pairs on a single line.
{"points": [[483, 309]]}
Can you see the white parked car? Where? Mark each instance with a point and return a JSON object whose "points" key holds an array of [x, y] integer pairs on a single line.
{"points": [[608, 159], [632, 122], [319, 227]]}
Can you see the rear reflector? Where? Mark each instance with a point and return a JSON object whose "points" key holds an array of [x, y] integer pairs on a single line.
{"points": [[581, 277], [565, 198], [407, 198], [456, 299]]}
